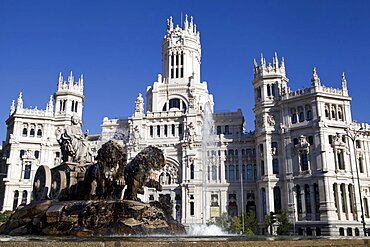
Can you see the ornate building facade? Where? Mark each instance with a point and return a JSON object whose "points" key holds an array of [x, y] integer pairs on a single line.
{"points": [[31, 140], [306, 155]]}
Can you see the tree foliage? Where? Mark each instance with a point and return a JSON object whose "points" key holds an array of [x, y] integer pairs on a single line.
{"points": [[235, 224]]}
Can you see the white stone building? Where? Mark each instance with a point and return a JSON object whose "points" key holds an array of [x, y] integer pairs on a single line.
{"points": [[31, 140], [299, 159]]}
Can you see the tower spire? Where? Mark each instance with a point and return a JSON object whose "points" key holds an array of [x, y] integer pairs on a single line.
{"points": [[275, 61], [12, 108], [20, 101], [50, 105], [344, 81], [315, 81], [70, 80], [60, 81]]}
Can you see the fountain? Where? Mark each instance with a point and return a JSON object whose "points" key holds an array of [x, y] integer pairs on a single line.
{"points": [[83, 198]]}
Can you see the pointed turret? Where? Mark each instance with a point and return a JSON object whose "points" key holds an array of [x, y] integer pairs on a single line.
{"points": [[12, 108], [20, 101], [186, 23], [50, 105], [60, 81], [70, 80], [315, 81], [344, 82], [275, 61], [282, 66], [191, 26]]}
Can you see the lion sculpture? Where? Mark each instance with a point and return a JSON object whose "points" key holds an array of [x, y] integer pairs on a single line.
{"points": [[105, 179], [138, 172]]}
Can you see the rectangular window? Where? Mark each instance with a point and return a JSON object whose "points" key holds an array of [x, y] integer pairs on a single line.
{"points": [[158, 130], [165, 130], [173, 129], [191, 208], [262, 168], [340, 160], [361, 165], [358, 144], [274, 147], [304, 161], [27, 171], [310, 140], [218, 130], [151, 131], [275, 166]]}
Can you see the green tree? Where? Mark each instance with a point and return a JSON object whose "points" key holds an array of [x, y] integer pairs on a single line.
{"points": [[5, 215], [236, 225], [250, 223], [283, 227]]}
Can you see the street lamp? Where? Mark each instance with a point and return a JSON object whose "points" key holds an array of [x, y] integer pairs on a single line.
{"points": [[353, 134]]}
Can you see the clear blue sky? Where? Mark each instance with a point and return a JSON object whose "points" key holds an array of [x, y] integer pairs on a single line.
{"points": [[117, 46]]}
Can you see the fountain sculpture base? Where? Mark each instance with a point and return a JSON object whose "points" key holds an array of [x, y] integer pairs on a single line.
{"points": [[92, 218]]}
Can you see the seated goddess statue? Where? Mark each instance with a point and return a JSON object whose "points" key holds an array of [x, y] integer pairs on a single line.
{"points": [[73, 143]]}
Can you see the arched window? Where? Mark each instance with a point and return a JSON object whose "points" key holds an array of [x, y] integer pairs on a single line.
{"points": [[294, 118], [340, 113], [218, 130], [151, 131], [32, 131], [227, 130], [309, 114], [39, 133], [333, 113], [301, 116], [76, 106], [37, 154], [327, 111], [21, 153], [25, 131], [15, 201], [277, 199], [73, 106], [24, 197]]}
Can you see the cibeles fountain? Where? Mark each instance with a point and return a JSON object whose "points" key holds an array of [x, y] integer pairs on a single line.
{"points": [[82, 197]]}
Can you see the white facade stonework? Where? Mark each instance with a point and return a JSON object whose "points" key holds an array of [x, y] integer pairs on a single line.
{"points": [[31, 140], [299, 159]]}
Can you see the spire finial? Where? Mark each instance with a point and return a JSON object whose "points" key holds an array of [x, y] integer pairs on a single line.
{"points": [[255, 63], [275, 61], [12, 108], [20, 101], [70, 79], [191, 25], [50, 105], [171, 23], [344, 81], [186, 23], [315, 78]]}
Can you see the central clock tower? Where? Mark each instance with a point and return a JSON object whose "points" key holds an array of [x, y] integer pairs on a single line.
{"points": [[181, 52]]}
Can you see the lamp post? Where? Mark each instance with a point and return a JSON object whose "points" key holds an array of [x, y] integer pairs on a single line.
{"points": [[353, 134]]}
